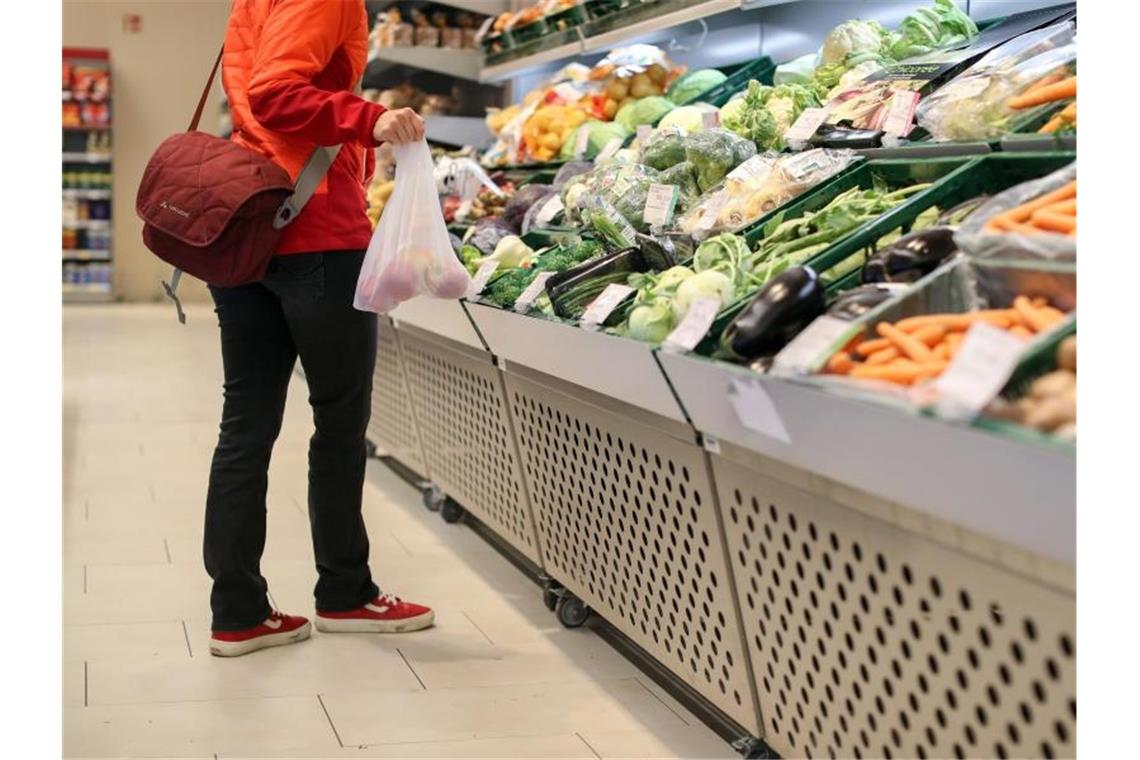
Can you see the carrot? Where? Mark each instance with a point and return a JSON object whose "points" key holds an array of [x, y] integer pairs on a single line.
{"points": [[1051, 222], [1063, 207], [1037, 320], [998, 317], [906, 344], [1069, 112], [1066, 88], [882, 356], [942, 351], [868, 347], [840, 364], [1044, 81], [931, 335], [1051, 126], [902, 373], [1021, 331], [1025, 210]]}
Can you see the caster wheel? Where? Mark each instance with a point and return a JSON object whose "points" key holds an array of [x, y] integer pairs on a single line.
{"points": [[570, 610], [433, 498], [450, 511], [550, 598]]}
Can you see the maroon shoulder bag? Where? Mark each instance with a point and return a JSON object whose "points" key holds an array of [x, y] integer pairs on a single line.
{"points": [[216, 209]]}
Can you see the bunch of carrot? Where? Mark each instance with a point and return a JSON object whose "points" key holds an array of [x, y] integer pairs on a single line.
{"points": [[1055, 212], [1048, 89], [916, 349], [1066, 118]]}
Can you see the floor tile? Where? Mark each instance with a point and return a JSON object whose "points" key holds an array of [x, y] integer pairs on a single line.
{"points": [[74, 684], [685, 742], [561, 746], [499, 711], [140, 642], [114, 551], [238, 728]]}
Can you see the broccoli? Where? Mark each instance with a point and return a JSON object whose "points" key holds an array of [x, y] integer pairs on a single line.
{"points": [[714, 153], [663, 149]]}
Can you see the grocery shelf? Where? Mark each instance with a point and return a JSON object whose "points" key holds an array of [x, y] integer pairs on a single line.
{"points": [[656, 23], [82, 254], [485, 7], [91, 195], [88, 224], [86, 127], [464, 64], [86, 293], [89, 158], [509, 69], [457, 130]]}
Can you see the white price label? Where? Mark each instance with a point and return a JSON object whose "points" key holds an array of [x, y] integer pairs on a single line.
{"points": [[710, 119], [710, 211], [753, 171], [568, 92], [581, 140], [814, 345], [660, 202], [900, 112], [978, 372], [533, 290], [602, 306], [755, 408], [805, 125], [612, 147], [643, 133], [482, 275], [694, 325], [801, 165], [549, 210]]}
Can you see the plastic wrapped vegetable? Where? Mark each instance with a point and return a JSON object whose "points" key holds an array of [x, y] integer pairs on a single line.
{"points": [[664, 148], [485, 234], [689, 119], [568, 171], [684, 176], [599, 135], [714, 153], [765, 113], [644, 111], [854, 37], [943, 25]]}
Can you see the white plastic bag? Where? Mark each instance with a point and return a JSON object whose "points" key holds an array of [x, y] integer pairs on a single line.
{"points": [[410, 252]]}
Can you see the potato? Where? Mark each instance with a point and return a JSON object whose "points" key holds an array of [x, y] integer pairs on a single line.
{"points": [[657, 74], [1067, 354], [617, 90], [1053, 384], [641, 86], [550, 140], [1052, 413], [1003, 409]]}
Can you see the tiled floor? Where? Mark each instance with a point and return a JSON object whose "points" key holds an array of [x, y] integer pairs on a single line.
{"points": [[497, 677]]}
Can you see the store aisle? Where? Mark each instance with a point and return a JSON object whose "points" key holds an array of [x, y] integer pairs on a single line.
{"points": [[497, 677]]}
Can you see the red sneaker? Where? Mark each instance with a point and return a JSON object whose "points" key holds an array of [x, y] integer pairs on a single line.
{"points": [[384, 614], [277, 630]]}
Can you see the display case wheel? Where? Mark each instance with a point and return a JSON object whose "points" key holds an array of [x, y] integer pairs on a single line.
{"points": [[571, 611], [550, 598], [433, 497], [450, 511]]}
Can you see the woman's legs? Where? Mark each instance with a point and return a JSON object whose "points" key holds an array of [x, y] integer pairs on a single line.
{"points": [[258, 355]]}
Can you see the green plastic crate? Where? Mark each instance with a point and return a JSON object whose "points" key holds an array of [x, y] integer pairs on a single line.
{"points": [[762, 70]]}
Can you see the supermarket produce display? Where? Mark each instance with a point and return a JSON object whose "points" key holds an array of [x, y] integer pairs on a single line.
{"points": [[776, 374]]}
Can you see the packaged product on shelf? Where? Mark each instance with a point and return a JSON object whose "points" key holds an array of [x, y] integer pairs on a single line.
{"points": [[1036, 219], [1030, 71], [1046, 402], [451, 38]]}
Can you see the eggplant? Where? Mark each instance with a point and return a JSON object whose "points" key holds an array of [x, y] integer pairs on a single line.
{"points": [[911, 257], [852, 304], [783, 307], [832, 136]]}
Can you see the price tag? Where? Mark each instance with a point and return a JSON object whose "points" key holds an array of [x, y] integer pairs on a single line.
{"points": [[568, 92], [612, 147], [805, 125], [803, 164], [814, 344], [710, 119], [694, 325], [660, 202], [753, 171], [533, 290], [549, 210], [581, 140], [484, 28], [710, 212], [978, 372], [755, 408], [602, 306], [643, 133], [900, 112], [482, 275]]}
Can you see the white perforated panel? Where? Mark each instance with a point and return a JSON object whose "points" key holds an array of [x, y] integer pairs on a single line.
{"points": [[869, 641], [392, 426], [626, 520], [467, 441]]}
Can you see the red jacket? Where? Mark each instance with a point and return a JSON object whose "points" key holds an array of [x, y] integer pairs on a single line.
{"points": [[289, 68]]}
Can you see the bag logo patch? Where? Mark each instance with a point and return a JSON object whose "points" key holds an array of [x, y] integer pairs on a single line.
{"points": [[171, 207]]}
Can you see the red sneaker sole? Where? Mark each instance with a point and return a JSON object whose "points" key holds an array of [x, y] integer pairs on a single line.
{"points": [[365, 625], [238, 648]]}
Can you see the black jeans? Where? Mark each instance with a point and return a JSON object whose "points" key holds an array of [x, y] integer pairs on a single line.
{"points": [[303, 307]]}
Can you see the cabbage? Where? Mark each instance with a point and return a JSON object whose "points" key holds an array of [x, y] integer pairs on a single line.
{"points": [[651, 322], [710, 283], [600, 134], [797, 71], [688, 118], [694, 84], [645, 111], [855, 36], [927, 29]]}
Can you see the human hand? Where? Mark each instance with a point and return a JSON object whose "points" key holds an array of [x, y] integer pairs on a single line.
{"points": [[398, 126]]}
